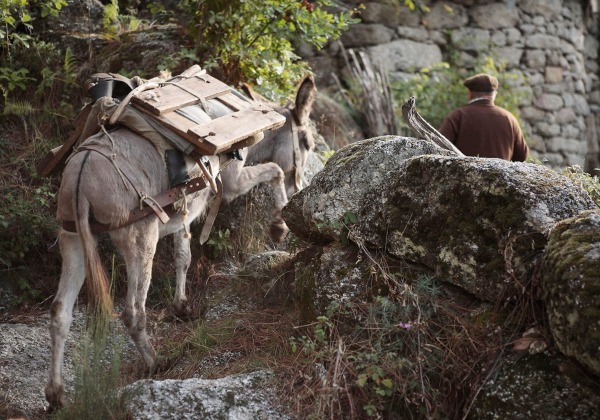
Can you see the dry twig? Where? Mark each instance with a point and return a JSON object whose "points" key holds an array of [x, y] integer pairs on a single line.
{"points": [[423, 129]]}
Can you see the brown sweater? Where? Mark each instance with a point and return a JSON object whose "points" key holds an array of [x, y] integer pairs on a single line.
{"points": [[486, 130]]}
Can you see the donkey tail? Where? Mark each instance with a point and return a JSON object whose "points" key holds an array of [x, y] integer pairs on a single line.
{"points": [[99, 297]]}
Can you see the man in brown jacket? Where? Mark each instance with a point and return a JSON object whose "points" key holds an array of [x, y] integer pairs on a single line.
{"points": [[483, 129]]}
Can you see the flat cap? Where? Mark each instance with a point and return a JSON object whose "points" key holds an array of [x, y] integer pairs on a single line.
{"points": [[481, 83]]}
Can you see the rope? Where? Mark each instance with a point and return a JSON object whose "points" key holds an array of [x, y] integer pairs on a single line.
{"points": [[202, 100]]}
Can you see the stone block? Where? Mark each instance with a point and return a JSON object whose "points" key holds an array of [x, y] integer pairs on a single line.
{"points": [[536, 143], [365, 34], [565, 115], [548, 130], [495, 16], [595, 97], [542, 41], [535, 59], [554, 74], [389, 15], [446, 16], [570, 131], [553, 160], [513, 36], [527, 28], [535, 79], [549, 9], [591, 47], [405, 55], [555, 88], [509, 55], [471, 39], [549, 101], [572, 159], [566, 47], [532, 113], [415, 34], [581, 105], [566, 145], [498, 38], [539, 21]]}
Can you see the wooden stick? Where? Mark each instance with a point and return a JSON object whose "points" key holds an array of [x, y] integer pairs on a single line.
{"points": [[423, 129]]}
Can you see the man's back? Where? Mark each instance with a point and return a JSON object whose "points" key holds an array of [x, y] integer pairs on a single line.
{"points": [[483, 129]]}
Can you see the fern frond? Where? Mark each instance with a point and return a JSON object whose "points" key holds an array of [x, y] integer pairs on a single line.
{"points": [[18, 108], [69, 67]]}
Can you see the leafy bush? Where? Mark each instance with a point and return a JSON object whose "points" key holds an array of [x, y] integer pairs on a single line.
{"points": [[16, 17], [254, 41]]}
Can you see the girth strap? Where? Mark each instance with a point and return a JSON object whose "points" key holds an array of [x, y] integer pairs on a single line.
{"points": [[164, 200]]}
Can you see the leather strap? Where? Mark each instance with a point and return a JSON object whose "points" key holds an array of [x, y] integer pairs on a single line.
{"points": [[164, 199], [212, 213]]}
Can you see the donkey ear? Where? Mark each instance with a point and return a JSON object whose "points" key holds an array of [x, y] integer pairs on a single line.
{"points": [[248, 91], [305, 98]]}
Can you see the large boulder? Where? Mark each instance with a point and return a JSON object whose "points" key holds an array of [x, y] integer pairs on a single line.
{"points": [[315, 213], [571, 284], [480, 224]]}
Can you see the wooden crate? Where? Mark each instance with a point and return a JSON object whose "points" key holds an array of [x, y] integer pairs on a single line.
{"points": [[215, 136]]}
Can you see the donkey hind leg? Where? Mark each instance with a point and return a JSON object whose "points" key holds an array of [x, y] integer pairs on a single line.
{"points": [[249, 177], [137, 244], [183, 258], [61, 313]]}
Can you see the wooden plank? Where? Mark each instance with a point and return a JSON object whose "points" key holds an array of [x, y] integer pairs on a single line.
{"points": [[177, 123], [56, 157], [221, 133], [231, 100], [187, 92]]}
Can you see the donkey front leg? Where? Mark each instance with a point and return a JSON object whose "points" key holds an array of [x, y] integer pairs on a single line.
{"points": [[61, 313], [137, 244]]}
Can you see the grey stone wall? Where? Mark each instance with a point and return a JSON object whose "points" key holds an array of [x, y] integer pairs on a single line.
{"points": [[552, 43]]}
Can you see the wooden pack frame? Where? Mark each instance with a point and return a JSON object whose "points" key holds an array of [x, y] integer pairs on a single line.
{"points": [[214, 136]]}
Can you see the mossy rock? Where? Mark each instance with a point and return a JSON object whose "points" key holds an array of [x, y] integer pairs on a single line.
{"points": [[571, 284], [335, 274], [480, 224]]}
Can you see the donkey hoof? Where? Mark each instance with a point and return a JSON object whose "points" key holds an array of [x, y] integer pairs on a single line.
{"points": [[55, 398], [183, 310], [278, 231]]}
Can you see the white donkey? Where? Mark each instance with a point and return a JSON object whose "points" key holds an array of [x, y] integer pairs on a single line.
{"points": [[100, 186]]}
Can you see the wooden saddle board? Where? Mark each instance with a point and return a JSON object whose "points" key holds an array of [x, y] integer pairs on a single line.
{"points": [[165, 104]]}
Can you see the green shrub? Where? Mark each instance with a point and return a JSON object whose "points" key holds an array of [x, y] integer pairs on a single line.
{"points": [[22, 221], [254, 41]]}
